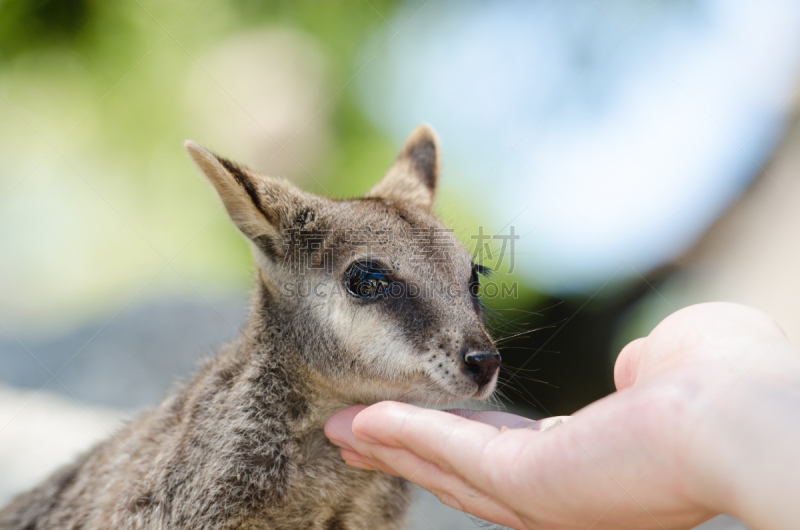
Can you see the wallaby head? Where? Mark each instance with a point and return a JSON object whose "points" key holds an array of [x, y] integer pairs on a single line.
{"points": [[378, 298]]}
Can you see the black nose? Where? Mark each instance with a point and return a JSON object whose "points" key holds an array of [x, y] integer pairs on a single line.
{"points": [[482, 366]]}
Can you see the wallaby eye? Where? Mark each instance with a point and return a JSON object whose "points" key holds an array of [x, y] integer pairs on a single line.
{"points": [[474, 278], [366, 279], [474, 283]]}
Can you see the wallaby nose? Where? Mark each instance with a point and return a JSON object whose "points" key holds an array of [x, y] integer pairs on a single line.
{"points": [[482, 365]]}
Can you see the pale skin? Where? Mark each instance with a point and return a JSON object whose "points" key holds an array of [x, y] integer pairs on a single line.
{"points": [[706, 420]]}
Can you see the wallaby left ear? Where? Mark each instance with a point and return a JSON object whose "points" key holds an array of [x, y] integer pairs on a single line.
{"points": [[413, 177], [262, 208]]}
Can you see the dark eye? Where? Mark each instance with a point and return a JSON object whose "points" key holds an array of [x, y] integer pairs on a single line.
{"points": [[474, 282], [366, 279], [474, 278]]}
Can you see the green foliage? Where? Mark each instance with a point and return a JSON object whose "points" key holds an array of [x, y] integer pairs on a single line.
{"points": [[32, 24]]}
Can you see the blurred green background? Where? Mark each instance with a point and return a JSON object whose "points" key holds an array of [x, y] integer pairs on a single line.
{"points": [[98, 97]]}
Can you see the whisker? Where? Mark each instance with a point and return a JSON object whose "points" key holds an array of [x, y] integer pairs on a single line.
{"points": [[519, 394], [499, 341], [521, 369], [517, 376], [533, 348]]}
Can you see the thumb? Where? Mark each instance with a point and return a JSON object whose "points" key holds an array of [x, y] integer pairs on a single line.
{"points": [[628, 364]]}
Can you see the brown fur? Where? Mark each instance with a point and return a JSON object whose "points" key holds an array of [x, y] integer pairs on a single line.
{"points": [[242, 444]]}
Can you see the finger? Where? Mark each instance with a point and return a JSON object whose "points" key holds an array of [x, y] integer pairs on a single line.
{"points": [[496, 418], [628, 363], [378, 449], [502, 420], [339, 427], [450, 441], [448, 487]]}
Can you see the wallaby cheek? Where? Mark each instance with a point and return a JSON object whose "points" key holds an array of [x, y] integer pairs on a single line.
{"points": [[370, 344]]}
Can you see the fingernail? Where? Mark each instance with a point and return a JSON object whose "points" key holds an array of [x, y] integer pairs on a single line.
{"points": [[336, 439]]}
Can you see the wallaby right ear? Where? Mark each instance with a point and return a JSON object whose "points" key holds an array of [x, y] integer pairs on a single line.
{"points": [[414, 175], [260, 207]]}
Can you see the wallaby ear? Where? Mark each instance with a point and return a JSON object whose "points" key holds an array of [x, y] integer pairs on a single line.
{"points": [[413, 176], [261, 207]]}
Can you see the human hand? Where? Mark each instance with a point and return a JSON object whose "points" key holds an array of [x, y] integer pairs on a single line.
{"points": [[672, 448]]}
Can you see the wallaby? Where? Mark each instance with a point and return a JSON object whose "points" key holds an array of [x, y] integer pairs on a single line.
{"points": [[355, 301]]}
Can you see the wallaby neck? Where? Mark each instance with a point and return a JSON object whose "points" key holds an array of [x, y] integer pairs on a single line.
{"points": [[273, 342]]}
